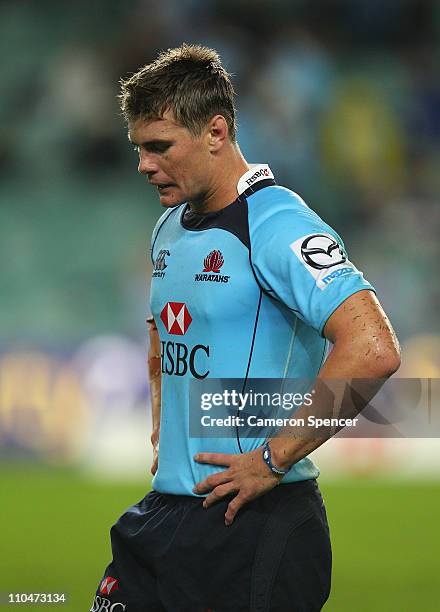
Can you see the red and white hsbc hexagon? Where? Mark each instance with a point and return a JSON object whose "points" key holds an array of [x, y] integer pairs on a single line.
{"points": [[177, 358], [176, 318], [108, 585]]}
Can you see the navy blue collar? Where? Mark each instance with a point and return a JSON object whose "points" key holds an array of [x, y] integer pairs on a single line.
{"points": [[198, 221]]}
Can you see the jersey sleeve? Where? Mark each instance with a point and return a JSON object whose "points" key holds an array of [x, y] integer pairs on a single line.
{"points": [[301, 261]]}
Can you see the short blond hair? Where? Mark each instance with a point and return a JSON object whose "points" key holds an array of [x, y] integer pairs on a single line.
{"points": [[189, 81]]}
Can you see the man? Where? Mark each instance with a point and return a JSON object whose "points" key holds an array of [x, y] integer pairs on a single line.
{"points": [[248, 282]]}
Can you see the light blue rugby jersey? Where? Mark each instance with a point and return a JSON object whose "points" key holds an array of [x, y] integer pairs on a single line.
{"points": [[244, 290]]}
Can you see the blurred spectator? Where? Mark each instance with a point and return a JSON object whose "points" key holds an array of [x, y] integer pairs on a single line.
{"points": [[341, 97]]}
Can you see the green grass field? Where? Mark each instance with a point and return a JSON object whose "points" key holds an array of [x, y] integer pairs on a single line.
{"points": [[55, 527]]}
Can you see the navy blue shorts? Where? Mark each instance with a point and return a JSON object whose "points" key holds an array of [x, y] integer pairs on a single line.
{"points": [[172, 555]]}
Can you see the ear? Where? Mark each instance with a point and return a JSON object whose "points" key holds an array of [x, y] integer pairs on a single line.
{"points": [[217, 133]]}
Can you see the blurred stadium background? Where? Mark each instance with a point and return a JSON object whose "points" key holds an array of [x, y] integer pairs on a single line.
{"points": [[342, 98]]}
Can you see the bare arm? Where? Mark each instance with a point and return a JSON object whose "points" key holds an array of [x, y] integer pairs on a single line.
{"points": [[154, 373], [365, 347]]}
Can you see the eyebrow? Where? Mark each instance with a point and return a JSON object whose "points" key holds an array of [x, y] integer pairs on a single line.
{"points": [[149, 143]]}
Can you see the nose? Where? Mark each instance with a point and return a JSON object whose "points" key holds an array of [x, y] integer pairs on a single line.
{"points": [[146, 164]]}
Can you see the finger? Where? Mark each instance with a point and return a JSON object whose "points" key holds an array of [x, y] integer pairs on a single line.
{"points": [[234, 506], [212, 481], [214, 458], [218, 493]]}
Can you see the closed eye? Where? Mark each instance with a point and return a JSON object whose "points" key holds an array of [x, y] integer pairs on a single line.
{"points": [[157, 147], [153, 146]]}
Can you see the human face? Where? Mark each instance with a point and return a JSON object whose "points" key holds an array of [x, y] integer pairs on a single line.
{"points": [[172, 159]]}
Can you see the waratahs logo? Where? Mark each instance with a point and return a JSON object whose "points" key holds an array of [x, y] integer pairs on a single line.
{"points": [[212, 263]]}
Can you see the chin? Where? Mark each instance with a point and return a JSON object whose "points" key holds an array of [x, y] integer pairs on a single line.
{"points": [[171, 202]]}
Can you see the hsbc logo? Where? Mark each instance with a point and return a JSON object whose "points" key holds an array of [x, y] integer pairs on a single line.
{"points": [[108, 585], [176, 318], [262, 173], [102, 604], [177, 358], [258, 172]]}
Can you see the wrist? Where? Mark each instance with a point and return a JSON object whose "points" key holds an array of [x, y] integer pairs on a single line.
{"points": [[279, 455], [270, 461]]}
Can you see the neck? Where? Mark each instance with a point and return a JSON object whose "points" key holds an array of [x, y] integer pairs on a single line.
{"points": [[223, 190]]}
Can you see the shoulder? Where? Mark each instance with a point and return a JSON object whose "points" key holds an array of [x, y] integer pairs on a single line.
{"points": [[168, 214], [166, 217], [277, 212]]}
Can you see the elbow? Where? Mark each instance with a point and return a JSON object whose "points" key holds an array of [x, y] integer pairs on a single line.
{"points": [[393, 355], [386, 360], [392, 364]]}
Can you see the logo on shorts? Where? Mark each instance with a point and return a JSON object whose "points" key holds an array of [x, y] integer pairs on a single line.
{"points": [[212, 263], [108, 585], [176, 318], [102, 604], [160, 263]]}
